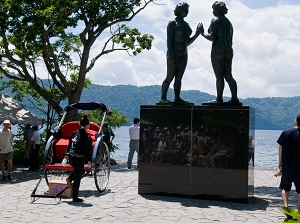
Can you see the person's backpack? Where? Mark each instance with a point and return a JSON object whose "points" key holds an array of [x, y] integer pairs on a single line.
{"points": [[74, 146]]}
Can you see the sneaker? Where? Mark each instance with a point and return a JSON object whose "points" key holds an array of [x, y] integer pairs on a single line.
{"points": [[69, 183], [3, 178], [76, 199], [9, 177]]}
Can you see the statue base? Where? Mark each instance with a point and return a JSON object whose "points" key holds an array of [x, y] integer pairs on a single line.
{"points": [[197, 152]]}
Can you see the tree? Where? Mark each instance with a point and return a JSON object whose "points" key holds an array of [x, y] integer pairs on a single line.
{"points": [[59, 36], [34, 100], [114, 120]]}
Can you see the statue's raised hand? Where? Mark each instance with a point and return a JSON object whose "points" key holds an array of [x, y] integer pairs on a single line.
{"points": [[200, 29]]}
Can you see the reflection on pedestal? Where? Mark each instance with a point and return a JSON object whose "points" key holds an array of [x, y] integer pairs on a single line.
{"points": [[197, 152]]}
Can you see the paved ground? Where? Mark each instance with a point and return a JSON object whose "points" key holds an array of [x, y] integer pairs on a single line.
{"points": [[122, 203]]}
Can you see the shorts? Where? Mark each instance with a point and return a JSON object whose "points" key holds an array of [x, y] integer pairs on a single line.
{"points": [[4, 156], [288, 178]]}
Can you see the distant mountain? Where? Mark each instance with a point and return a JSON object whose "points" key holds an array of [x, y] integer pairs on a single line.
{"points": [[270, 113], [127, 98]]}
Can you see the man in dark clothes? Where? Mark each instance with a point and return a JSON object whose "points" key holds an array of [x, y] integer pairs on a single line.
{"points": [[289, 161], [78, 159], [108, 136]]}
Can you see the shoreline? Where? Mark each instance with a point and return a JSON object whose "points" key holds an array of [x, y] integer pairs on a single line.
{"points": [[121, 162]]}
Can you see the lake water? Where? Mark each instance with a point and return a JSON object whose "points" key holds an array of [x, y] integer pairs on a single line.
{"points": [[266, 148]]}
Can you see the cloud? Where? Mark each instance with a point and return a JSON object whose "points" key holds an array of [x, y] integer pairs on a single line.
{"points": [[266, 46]]}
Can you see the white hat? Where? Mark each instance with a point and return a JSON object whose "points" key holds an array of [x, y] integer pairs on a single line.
{"points": [[6, 122]]}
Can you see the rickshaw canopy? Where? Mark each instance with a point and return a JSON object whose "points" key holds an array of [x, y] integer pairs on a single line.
{"points": [[88, 106]]}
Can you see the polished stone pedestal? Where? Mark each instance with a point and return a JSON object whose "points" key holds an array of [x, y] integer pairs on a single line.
{"points": [[196, 151]]}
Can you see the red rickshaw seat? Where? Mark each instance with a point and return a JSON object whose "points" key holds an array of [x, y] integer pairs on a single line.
{"points": [[66, 132]]}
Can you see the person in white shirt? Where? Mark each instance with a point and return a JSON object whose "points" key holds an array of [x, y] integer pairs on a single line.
{"points": [[6, 149], [35, 148], [134, 133]]}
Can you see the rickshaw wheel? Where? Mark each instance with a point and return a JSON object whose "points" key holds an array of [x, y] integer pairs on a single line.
{"points": [[102, 167], [50, 155]]}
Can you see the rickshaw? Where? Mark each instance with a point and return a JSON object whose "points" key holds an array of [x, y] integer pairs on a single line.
{"points": [[56, 146]]}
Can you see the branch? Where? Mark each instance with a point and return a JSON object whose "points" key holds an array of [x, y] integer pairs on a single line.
{"points": [[48, 53], [7, 51], [11, 76], [93, 61], [100, 29], [103, 52]]}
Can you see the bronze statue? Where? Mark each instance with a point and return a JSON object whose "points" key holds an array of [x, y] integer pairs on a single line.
{"points": [[220, 32], [178, 39]]}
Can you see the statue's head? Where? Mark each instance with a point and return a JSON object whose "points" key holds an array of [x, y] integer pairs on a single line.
{"points": [[220, 7], [183, 6]]}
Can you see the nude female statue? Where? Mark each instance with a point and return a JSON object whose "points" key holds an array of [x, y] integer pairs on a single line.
{"points": [[220, 32], [178, 39]]}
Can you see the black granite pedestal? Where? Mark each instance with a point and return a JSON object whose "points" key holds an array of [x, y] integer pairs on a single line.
{"points": [[197, 152]]}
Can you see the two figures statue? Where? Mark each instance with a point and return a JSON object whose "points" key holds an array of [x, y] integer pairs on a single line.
{"points": [[220, 32]]}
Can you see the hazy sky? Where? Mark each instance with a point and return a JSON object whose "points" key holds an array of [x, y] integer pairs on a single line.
{"points": [[266, 47]]}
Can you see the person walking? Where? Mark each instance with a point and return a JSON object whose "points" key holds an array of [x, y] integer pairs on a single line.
{"points": [[6, 150], [289, 162], [35, 148], [27, 140], [80, 153], [108, 136], [251, 146], [134, 133]]}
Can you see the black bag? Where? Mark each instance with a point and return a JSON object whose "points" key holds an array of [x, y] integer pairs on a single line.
{"points": [[74, 146]]}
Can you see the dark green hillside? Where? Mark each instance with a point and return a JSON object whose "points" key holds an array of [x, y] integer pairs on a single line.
{"points": [[270, 113], [277, 113], [127, 98]]}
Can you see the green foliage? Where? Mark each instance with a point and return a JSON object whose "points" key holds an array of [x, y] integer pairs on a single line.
{"points": [[114, 120], [59, 36], [18, 146], [23, 90], [18, 152], [132, 39], [293, 214], [74, 78]]}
